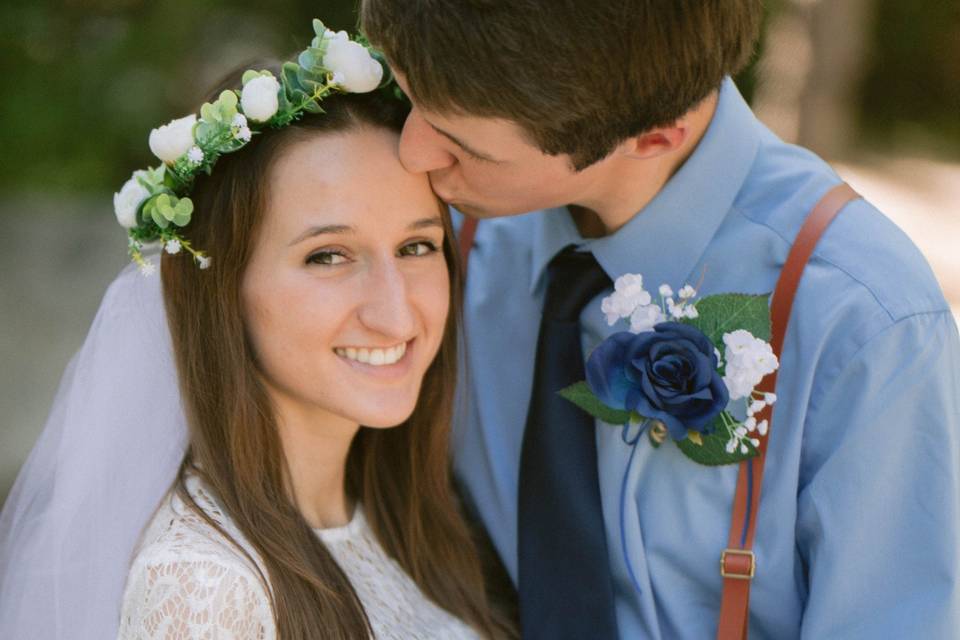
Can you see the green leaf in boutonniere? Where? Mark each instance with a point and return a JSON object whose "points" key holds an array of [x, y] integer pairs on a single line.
{"points": [[712, 449], [726, 312], [580, 395]]}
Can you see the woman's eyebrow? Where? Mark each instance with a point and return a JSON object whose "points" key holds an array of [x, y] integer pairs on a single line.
{"points": [[425, 223], [322, 230], [326, 229]]}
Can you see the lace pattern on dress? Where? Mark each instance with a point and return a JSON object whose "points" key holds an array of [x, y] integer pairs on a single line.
{"points": [[188, 582]]}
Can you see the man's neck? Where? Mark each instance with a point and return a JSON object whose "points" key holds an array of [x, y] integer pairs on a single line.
{"points": [[630, 184]]}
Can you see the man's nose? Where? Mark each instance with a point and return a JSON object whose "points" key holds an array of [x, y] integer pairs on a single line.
{"points": [[387, 308], [421, 148]]}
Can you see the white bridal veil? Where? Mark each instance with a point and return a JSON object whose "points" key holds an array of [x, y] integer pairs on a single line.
{"points": [[108, 453]]}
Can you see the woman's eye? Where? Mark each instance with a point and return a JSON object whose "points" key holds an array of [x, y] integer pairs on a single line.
{"points": [[327, 258], [415, 249]]}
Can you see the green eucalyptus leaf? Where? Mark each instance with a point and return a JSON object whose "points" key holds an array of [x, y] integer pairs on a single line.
{"points": [[728, 312], [580, 395], [289, 78], [308, 59], [228, 99], [313, 107], [318, 27], [206, 134], [712, 451], [309, 82], [208, 113]]}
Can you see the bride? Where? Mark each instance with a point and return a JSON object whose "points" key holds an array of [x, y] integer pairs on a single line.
{"points": [[311, 291]]}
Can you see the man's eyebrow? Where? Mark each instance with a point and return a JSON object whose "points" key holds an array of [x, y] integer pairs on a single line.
{"points": [[460, 143], [422, 223]]}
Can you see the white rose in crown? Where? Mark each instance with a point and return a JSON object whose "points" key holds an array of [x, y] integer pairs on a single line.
{"points": [[127, 201], [173, 139], [260, 98], [353, 66]]}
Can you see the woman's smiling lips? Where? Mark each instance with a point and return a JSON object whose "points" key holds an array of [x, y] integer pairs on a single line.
{"points": [[384, 361]]}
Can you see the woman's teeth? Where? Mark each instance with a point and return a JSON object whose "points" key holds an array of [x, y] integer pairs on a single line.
{"points": [[376, 357]]}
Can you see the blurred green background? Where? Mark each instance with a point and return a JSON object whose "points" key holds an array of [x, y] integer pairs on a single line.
{"points": [[85, 80], [873, 84]]}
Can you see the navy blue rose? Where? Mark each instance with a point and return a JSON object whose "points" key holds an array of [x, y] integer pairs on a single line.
{"points": [[668, 374]]}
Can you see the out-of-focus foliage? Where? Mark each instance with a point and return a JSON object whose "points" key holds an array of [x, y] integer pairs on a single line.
{"points": [[911, 94], [84, 81]]}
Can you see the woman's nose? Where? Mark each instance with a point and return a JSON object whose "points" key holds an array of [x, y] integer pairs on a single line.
{"points": [[421, 148], [386, 307]]}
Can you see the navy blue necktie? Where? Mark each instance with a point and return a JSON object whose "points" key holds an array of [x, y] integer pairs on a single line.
{"points": [[564, 575]]}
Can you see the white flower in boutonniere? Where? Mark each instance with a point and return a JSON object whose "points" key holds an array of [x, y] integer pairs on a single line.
{"points": [[170, 141], [351, 63], [749, 360], [628, 298], [260, 98], [666, 375]]}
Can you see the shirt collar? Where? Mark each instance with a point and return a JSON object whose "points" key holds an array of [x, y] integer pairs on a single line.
{"points": [[666, 239]]}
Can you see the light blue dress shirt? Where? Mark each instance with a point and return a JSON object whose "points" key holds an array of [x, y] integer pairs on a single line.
{"points": [[859, 522]]}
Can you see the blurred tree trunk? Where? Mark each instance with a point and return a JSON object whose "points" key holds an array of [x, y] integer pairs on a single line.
{"points": [[810, 72]]}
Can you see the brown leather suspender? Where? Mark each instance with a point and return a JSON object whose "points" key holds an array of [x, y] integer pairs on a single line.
{"points": [[467, 233], [737, 562]]}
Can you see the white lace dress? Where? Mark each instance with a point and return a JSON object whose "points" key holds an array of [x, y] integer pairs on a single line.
{"points": [[187, 582]]}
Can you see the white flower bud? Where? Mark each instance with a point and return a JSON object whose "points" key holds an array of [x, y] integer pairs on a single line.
{"points": [[644, 318], [239, 121], [204, 262], [666, 291], [173, 247], [195, 155], [173, 139], [687, 292], [260, 98], [147, 268], [763, 427], [127, 201], [360, 71], [244, 134]]}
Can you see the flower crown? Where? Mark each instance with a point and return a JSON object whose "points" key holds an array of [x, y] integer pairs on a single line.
{"points": [[154, 204]]}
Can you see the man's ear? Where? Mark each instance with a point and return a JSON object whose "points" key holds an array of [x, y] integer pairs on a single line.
{"points": [[656, 142]]}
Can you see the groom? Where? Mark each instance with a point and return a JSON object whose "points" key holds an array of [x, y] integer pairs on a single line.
{"points": [[617, 125]]}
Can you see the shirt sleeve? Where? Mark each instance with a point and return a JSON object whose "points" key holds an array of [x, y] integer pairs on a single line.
{"points": [[188, 598], [878, 526]]}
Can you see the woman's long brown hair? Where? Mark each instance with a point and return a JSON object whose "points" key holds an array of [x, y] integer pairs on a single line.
{"points": [[400, 475]]}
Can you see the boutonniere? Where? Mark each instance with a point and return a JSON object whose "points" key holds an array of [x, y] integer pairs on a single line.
{"points": [[680, 369]]}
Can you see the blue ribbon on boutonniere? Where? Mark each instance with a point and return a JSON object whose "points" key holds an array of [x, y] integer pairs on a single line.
{"points": [[666, 377]]}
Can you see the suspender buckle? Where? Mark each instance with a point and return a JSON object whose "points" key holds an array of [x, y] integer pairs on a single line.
{"points": [[739, 564]]}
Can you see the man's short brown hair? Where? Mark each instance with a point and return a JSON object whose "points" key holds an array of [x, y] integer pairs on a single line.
{"points": [[578, 76]]}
